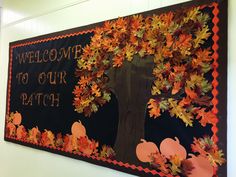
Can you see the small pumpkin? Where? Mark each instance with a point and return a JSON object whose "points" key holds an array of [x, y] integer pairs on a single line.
{"points": [[202, 167], [78, 130], [17, 118], [170, 147], [145, 149]]}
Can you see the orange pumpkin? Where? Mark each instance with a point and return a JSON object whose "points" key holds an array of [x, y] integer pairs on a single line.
{"points": [[17, 118], [170, 147], [145, 149], [202, 167], [78, 130]]}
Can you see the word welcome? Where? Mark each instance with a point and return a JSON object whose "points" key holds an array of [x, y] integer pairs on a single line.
{"points": [[49, 55]]}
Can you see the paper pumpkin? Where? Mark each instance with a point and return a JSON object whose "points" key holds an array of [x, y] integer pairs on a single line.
{"points": [[145, 149], [78, 130], [202, 167], [17, 118], [170, 147]]}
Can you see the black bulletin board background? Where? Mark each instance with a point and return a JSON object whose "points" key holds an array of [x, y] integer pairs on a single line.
{"points": [[55, 120]]}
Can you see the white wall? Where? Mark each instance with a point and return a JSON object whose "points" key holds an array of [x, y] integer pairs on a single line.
{"points": [[32, 18]]}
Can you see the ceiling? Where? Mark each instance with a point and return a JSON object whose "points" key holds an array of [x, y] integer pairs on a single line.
{"points": [[17, 10]]}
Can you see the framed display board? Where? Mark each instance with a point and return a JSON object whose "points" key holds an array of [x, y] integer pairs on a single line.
{"points": [[144, 94]]}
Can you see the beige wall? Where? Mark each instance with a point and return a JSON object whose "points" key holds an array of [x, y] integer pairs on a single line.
{"points": [[27, 18]]}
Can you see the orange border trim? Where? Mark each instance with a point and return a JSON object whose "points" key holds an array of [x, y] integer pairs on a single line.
{"points": [[53, 38], [215, 64]]}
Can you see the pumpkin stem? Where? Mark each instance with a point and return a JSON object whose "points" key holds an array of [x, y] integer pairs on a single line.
{"points": [[143, 140], [191, 155], [177, 139]]}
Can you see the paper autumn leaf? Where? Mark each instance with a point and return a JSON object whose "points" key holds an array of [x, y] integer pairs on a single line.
{"points": [[160, 162], [106, 96], [120, 24], [156, 21], [179, 112], [169, 40], [206, 117], [186, 101], [156, 88], [78, 91], [201, 35], [191, 15], [216, 158], [118, 60], [203, 18], [95, 90], [184, 41], [133, 40], [204, 55], [200, 81], [87, 51], [84, 80], [207, 148], [108, 26], [129, 52], [176, 88], [107, 152], [152, 41], [205, 86], [166, 52], [59, 140], [154, 109], [167, 18], [164, 105], [203, 101], [189, 92], [136, 22], [175, 166]]}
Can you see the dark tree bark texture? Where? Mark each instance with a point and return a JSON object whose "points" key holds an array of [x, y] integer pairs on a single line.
{"points": [[131, 84]]}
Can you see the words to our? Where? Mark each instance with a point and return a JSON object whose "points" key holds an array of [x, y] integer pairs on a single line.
{"points": [[51, 77], [49, 55]]}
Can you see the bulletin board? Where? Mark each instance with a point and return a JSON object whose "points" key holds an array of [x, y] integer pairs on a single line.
{"points": [[144, 94]]}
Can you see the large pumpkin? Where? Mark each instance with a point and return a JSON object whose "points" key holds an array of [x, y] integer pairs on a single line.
{"points": [[202, 167], [78, 130], [170, 147], [17, 118], [145, 149]]}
